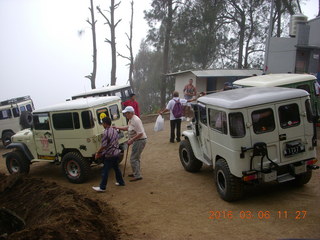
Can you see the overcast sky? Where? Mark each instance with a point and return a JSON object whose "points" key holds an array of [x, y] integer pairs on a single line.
{"points": [[42, 54]]}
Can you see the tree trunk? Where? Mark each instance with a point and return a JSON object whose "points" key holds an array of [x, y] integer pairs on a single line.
{"points": [[130, 48], [166, 54], [113, 45], [242, 27], [278, 9], [94, 43]]}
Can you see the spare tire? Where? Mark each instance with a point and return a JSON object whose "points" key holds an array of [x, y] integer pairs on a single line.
{"points": [[26, 119]]}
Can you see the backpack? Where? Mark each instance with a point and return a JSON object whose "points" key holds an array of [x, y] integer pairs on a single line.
{"points": [[177, 109]]}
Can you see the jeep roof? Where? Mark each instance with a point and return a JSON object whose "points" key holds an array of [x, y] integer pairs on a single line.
{"points": [[246, 97], [98, 91], [271, 80], [77, 104]]}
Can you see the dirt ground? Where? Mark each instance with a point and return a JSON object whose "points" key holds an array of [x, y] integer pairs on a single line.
{"points": [[170, 203]]}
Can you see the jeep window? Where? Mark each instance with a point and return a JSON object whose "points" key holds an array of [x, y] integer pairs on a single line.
{"points": [[263, 121], [304, 87], [127, 93], [114, 112], [15, 112], [87, 119], [218, 121], [118, 94], [309, 111], [66, 121], [236, 125], [5, 114], [41, 121], [289, 115], [203, 114], [102, 113], [29, 108], [22, 108]]}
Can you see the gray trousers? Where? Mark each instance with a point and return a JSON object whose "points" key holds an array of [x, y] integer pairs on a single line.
{"points": [[137, 148]]}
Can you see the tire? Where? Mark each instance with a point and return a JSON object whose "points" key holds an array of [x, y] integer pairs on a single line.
{"points": [[6, 138], [187, 158], [75, 167], [303, 178], [229, 187], [26, 119], [17, 163]]}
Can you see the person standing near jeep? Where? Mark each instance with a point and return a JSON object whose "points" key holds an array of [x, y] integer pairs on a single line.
{"points": [[110, 152], [133, 103], [138, 140], [175, 108]]}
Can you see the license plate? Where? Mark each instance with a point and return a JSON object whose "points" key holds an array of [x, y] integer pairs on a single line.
{"points": [[293, 148]]}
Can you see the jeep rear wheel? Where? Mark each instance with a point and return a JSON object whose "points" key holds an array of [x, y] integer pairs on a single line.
{"points": [[229, 187], [187, 158], [6, 138], [303, 178], [75, 167], [17, 163]]}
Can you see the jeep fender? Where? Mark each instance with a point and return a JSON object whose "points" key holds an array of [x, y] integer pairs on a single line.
{"points": [[196, 147], [21, 147]]}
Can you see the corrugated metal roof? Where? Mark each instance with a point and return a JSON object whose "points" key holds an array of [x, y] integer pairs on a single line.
{"points": [[219, 73]]}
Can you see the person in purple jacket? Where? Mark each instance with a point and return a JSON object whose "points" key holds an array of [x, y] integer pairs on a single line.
{"points": [[110, 153]]}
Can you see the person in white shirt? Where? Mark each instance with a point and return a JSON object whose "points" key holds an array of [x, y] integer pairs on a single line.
{"points": [[175, 121], [138, 140]]}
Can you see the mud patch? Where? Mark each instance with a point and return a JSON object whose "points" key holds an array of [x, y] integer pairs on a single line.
{"points": [[54, 212]]}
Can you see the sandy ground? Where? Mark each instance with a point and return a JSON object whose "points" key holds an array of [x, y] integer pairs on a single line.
{"points": [[170, 203]]}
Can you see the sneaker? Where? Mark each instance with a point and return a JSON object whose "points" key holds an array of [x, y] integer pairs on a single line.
{"points": [[118, 184], [98, 189]]}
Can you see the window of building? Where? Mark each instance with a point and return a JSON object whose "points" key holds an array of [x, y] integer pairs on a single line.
{"points": [[263, 121], [289, 115], [236, 125], [66, 121]]}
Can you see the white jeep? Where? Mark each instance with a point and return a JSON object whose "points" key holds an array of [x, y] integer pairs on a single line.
{"points": [[68, 134], [15, 115], [252, 135]]}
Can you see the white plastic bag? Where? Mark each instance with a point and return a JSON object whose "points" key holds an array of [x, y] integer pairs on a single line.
{"points": [[159, 125]]}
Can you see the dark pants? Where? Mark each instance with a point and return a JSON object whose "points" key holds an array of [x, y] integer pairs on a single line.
{"points": [[111, 162], [173, 125]]}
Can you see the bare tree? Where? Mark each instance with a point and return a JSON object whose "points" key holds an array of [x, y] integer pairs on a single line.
{"points": [[112, 41], [92, 76], [129, 47]]}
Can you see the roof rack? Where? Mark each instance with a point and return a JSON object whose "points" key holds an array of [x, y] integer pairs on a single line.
{"points": [[15, 100]]}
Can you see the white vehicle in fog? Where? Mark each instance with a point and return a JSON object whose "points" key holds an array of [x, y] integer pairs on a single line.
{"points": [[252, 135]]}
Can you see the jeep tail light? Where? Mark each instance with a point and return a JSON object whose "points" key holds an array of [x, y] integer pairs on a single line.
{"points": [[250, 177], [312, 161]]}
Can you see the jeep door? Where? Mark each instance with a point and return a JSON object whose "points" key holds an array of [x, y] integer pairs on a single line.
{"points": [[43, 136], [263, 125], [204, 133], [293, 129]]}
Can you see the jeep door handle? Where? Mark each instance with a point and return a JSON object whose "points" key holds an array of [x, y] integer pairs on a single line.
{"points": [[48, 133]]}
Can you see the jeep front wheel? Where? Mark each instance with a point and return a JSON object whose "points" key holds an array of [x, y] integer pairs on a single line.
{"points": [[75, 167], [17, 163], [187, 158], [229, 187]]}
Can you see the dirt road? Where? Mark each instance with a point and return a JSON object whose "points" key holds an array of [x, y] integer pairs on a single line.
{"points": [[170, 203]]}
